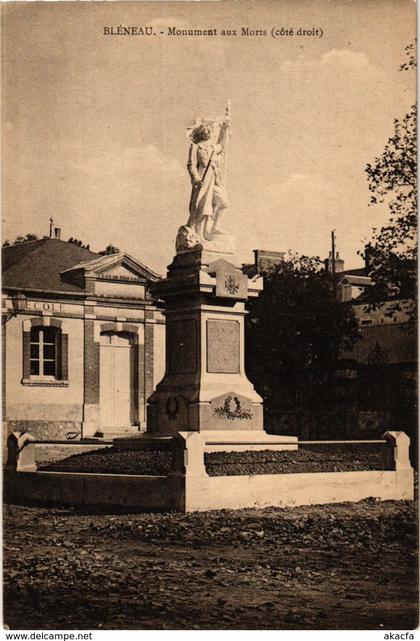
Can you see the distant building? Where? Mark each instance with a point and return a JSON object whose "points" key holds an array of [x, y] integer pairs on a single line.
{"points": [[375, 383], [383, 364], [83, 342], [264, 261], [352, 284]]}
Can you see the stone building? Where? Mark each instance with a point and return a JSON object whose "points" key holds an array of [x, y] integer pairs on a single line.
{"points": [[83, 342]]}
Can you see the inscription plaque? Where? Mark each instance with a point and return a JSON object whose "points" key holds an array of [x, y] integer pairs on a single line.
{"points": [[223, 346], [183, 346]]}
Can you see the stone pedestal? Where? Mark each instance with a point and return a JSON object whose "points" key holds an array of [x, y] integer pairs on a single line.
{"points": [[205, 386]]}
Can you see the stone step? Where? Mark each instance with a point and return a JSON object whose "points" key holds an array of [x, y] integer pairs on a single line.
{"points": [[117, 432]]}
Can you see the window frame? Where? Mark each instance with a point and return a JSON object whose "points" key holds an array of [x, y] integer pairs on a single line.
{"points": [[60, 360], [41, 360]]}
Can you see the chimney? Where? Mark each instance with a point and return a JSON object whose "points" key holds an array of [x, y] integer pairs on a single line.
{"points": [[51, 226], [339, 263], [57, 232], [368, 259]]}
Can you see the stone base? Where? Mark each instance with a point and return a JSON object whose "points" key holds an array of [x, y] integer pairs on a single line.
{"points": [[205, 386], [224, 243], [242, 441], [188, 241], [114, 432], [142, 442], [201, 258], [169, 413]]}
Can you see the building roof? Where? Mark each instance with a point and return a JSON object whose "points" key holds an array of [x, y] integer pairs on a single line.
{"points": [[53, 265], [358, 271], [103, 263], [359, 281], [37, 264]]}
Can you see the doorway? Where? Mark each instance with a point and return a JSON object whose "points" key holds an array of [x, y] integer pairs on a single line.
{"points": [[117, 380]]}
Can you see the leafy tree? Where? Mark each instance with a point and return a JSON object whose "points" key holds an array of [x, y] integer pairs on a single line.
{"points": [[20, 239], [77, 242], [109, 249], [392, 177], [294, 332]]}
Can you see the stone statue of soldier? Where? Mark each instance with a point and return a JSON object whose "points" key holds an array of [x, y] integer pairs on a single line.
{"points": [[208, 195]]}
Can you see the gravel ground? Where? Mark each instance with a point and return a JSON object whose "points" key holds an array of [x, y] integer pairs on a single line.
{"points": [[114, 462], [319, 458], [306, 459], [342, 566]]}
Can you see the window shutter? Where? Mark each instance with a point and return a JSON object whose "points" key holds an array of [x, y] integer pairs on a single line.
{"points": [[26, 354], [64, 356]]}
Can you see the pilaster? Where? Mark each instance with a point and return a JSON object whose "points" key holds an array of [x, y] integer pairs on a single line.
{"points": [[91, 384]]}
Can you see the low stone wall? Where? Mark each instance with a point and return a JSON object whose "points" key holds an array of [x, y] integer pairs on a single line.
{"points": [[90, 490], [189, 488], [283, 490], [203, 492]]}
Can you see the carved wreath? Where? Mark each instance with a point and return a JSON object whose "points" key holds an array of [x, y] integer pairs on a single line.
{"points": [[231, 409]]}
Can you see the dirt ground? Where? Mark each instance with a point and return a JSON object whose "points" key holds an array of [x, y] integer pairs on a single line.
{"points": [[347, 566]]}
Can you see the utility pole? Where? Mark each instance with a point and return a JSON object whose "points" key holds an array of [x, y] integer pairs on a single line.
{"points": [[333, 260]]}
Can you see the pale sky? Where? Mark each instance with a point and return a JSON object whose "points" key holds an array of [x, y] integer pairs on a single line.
{"points": [[94, 125]]}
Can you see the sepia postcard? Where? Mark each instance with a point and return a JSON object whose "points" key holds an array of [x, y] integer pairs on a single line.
{"points": [[209, 359]]}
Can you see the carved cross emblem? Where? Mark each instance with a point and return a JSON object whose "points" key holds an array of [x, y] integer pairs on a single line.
{"points": [[231, 284]]}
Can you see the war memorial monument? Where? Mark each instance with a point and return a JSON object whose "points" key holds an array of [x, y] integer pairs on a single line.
{"points": [[205, 387]]}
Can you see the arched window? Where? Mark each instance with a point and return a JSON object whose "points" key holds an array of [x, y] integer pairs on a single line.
{"points": [[45, 357]]}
